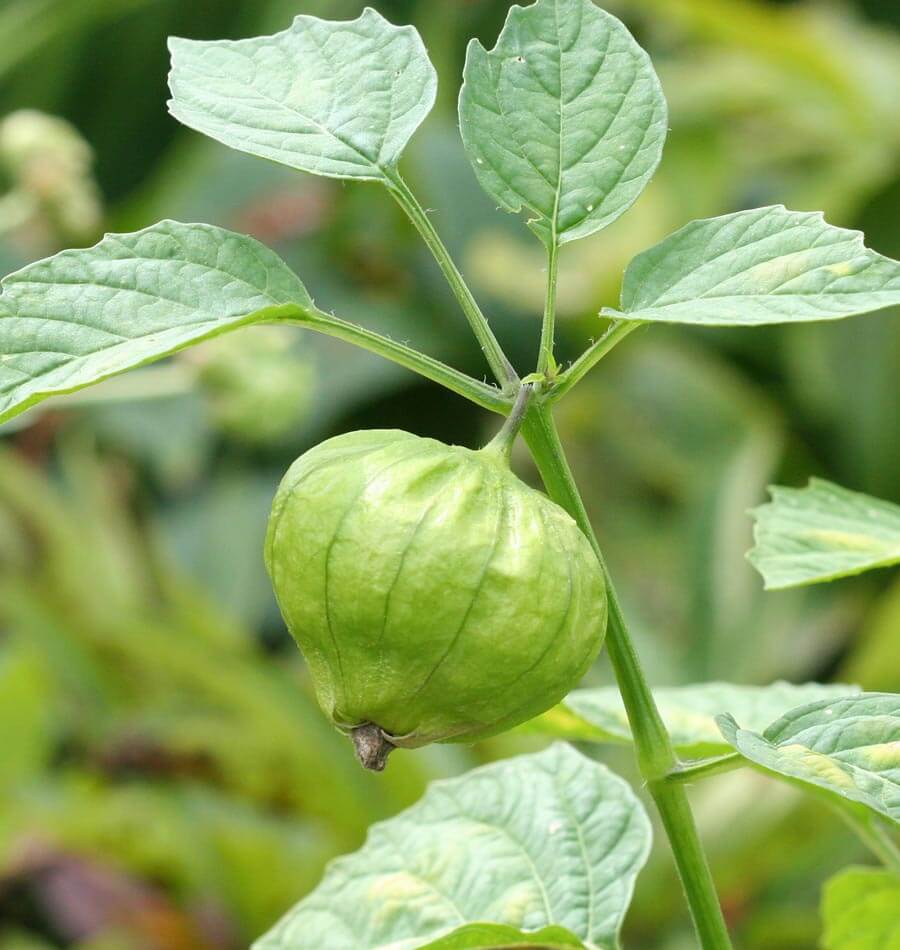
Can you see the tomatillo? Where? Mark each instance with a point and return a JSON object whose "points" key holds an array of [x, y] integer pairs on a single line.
{"points": [[436, 597]]}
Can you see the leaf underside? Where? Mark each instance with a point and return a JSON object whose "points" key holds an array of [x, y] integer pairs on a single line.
{"points": [[768, 265], [564, 117], [847, 748], [84, 315], [689, 712], [822, 532], [551, 839], [339, 99]]}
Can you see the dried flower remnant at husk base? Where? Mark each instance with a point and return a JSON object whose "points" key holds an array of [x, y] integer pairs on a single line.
{"points": [[435, 596]]}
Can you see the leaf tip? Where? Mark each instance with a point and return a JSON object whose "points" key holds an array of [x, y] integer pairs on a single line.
{"points": [[728, 726], [177, 45], [370, 13]]}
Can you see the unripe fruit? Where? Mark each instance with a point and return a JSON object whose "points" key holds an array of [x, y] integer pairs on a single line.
{"points": [[435, 596]]}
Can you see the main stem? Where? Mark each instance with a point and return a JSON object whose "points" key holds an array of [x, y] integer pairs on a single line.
{"points": [[497, 360], [655, 754]]}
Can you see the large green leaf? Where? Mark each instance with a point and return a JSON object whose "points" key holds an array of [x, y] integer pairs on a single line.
{"points": [[861, 910], [551, 839], [84, 315], [848, 748], [565, 117], [823, 531], [768, 265], [340, 99], [689, 712]]}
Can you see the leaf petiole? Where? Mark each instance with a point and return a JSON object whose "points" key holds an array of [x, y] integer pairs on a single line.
{"points": [[548, 328], [497, 360], [617, 332], [482, 394], [873, 833], [702, 768]]}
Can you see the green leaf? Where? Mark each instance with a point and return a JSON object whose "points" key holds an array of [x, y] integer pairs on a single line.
{"points": [[860, 910], [494, 936], [565, 117], [340, 99], [84, 315], [552, 839], [821, 532], [848, 748], [768, 265], [689, 712]]}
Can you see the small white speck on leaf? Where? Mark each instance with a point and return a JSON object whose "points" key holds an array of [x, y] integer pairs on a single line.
{"points": [[554, 827]]}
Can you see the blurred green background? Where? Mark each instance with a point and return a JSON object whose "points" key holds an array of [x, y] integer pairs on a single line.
{"points": [[166, 778]]}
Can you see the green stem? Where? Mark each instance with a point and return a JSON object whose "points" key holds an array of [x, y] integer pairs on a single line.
{"points": [[500, 365], [548, 328], [592, 355], [875, 837], [503, 441], [655, 756], [488, 397], [701, 768]]}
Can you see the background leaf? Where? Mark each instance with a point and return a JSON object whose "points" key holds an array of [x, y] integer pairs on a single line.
{"points": [[333, 98], [822, 532], [768, 265], [492, 936], [545, 839], [84, 315], [26, 698], [689, 712], [860, 910], [174, 717], [565, 117], [850, 748]]}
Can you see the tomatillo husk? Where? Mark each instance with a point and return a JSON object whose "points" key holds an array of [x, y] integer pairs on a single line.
{"points": [[435, 596]]}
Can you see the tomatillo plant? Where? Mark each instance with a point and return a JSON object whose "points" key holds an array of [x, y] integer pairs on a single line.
{"points": [[436, 597]]}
